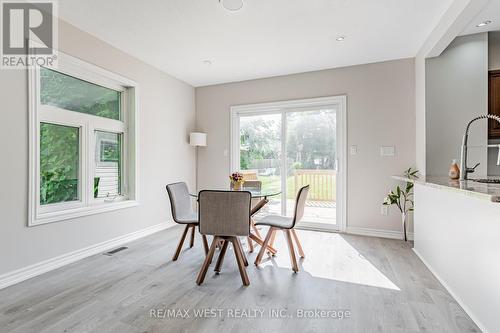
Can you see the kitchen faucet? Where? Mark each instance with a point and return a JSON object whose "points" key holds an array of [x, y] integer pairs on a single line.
{"points": [[464, 170]]}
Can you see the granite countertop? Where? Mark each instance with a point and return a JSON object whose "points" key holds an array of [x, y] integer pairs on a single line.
{"points": [[490, 192]]}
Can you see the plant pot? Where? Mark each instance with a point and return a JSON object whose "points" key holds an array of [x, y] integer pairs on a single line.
{"points": [[404, 217], [236, 185]]}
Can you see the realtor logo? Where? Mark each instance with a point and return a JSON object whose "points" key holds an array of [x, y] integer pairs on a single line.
{"points": [[28, 33]]}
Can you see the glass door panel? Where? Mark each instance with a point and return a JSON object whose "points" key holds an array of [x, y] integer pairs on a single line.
{"points": [[260, 154], [311, 141]]}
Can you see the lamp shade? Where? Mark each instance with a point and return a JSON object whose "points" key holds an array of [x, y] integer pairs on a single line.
{"points": [[197, 139]]}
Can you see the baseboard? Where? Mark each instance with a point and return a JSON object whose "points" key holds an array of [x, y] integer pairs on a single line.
{"points": [[378, 233], [452, 293], [28, 272]]}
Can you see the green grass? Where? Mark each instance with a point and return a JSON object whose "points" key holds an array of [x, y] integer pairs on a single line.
{"points": [[274, 183]]}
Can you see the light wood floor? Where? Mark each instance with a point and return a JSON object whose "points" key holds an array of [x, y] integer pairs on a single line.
{"points": [[383, 285]]}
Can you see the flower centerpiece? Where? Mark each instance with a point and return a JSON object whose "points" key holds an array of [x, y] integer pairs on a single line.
{"points": [[236, 180]]}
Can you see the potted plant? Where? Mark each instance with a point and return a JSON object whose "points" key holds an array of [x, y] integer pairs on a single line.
{"points": [[236, 180], [403, 198]]}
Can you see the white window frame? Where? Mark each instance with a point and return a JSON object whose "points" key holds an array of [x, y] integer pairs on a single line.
{"points": [[128, 126], [282, 107]]}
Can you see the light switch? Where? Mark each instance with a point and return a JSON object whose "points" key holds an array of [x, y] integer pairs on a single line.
{"points": [[387, 151], [353, 150], [384, 210], [225, 152]]}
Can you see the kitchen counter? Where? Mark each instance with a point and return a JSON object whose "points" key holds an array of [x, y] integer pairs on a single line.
{"points": [[456, 234], [489, 192]]}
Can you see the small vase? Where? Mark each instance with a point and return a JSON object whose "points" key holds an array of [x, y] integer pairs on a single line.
{"points": [[237, 186], [403, 221]]}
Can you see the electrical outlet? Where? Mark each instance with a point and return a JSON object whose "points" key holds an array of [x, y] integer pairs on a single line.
{"points": [[387, 151], [384, 210], [353, 149]]}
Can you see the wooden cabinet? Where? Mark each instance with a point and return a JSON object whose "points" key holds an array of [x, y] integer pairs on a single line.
{"points": [[494, 103]]}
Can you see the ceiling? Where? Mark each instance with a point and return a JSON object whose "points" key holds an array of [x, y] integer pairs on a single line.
{"points": [[491, 12], [266, 38]]}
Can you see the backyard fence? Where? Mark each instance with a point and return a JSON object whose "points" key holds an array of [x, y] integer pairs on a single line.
{"points": [[322, 184]]}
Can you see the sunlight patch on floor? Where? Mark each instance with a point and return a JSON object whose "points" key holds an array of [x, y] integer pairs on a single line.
{"points": [[334, 260]]}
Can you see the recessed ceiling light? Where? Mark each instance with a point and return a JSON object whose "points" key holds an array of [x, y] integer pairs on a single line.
{"points": [[340, 38], [482, 24], [232, 5], [207, 62]]}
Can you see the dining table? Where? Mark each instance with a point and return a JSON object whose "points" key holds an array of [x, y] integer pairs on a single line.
{"points": [[262, 197]]}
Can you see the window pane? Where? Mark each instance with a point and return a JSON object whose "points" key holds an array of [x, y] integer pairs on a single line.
{"points": [[59, 163], [67, 92], [260, 151], [108, 166]]}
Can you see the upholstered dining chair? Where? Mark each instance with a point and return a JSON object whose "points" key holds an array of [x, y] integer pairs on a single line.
{"points": [[226, 216], [183, 213], [286, 224]]}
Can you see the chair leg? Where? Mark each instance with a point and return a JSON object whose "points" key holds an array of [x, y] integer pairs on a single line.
{"points": [[261, 243], [179, 247], [250, 245], [288, 236], [191, 242], [255, 229], [271, 242], [239, 259], [264, 247], [222, 253], [245, 261], [206, 263], [205, 243], [299, 246]]}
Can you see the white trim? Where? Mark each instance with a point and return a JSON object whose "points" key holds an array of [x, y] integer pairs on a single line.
{"points": [[452, 293], [68, 214], [293, 105], [127, 126], [284, 166], [322, 227], [280, 105], [342, 166], [378, 233], [28, 272]]}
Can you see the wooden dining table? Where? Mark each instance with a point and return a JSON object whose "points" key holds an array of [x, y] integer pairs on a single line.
{"points": [[262, 195]]}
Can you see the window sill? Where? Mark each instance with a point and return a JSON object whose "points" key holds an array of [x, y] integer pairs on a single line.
{"points": [[80, 212]]}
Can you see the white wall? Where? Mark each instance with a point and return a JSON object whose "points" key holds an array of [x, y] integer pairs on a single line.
{"points": [[380, 111], [456, 235], [456, 92], [493, 64], [458, 15], [166, 115], [494, 50]]}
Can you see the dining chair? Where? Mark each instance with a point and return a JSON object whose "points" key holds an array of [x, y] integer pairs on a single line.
{"points": [[226, 216], [183, 213], [286, 224]]}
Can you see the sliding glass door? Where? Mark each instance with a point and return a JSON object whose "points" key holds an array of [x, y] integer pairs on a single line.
{"points": [[311, 159], [286, 147]]}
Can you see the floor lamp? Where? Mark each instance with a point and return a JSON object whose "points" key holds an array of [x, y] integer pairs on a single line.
{"points": [[197, 139]]}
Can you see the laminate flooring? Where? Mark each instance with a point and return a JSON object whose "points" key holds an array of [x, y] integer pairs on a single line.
{"points": [[346, 283]]}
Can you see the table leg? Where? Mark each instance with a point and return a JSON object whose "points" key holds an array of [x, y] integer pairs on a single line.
{"points": [[261, 242]]}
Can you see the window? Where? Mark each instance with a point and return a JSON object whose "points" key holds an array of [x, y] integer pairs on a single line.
{"points": [[107, 173], [59, 163], [82, 141]]}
